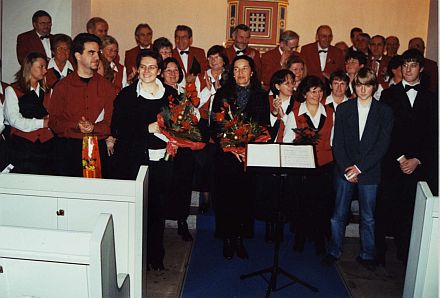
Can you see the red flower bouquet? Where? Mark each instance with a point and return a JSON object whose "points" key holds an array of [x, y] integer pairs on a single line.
{"points": [[237, 131], [178, 122]]}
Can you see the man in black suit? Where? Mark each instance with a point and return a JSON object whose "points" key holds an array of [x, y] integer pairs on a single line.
{"points": [[361, 137], [412, 156]]}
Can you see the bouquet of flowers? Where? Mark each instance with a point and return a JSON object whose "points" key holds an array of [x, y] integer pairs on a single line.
{"points": [[305, 136], [237, 132], [178, 122]]}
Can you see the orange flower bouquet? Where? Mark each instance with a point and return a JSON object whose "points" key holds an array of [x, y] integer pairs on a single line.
{"points": [[237, 132], [178, 122]]}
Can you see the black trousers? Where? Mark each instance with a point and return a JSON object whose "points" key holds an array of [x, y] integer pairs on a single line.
{"points": [[154, 212], [394, 211], [31, 158], [69, 157], [314, 203], [233, 196]]}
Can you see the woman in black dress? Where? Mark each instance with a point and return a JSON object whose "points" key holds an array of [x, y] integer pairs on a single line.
{"points": [[233, 192]]}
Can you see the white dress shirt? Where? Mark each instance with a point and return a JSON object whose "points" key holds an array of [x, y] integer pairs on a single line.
{"points": [[322, 57], [273, 119], [124, 73], [363, 110], [64, 73], [412, 93], [328, 101], [46, 45], [184, 58], [291, 121]]}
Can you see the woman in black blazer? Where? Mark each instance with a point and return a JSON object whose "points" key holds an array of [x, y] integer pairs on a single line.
{"points": [[233, 191]]}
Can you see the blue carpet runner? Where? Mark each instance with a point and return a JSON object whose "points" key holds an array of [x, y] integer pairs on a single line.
{"points": [[211, 276]]}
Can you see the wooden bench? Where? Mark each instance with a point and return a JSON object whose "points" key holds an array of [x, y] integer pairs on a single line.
{"points": [[74, 204], [54, 263]]}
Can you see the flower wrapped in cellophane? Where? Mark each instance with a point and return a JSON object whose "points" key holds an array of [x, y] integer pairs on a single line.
{"points": [[237, 131], [178, 122]]}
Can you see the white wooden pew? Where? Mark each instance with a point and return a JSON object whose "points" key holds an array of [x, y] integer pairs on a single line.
{"points": [[422, 278], [51, 263], [74, 204]]}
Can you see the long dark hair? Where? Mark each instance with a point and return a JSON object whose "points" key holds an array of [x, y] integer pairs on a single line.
{"points": [[230, 84]]}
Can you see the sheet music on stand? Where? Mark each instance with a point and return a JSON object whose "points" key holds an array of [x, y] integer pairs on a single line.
{"points": [[280, 160], [286, 155]]}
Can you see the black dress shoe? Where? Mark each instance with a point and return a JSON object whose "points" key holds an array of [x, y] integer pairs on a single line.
{"points": [[328, 260], [370, 265], [182, 230], [240, 249], [228, 248], [155, 266]]}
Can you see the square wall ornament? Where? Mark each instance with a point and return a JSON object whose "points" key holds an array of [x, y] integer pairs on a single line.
{"points": [[266, 19]]}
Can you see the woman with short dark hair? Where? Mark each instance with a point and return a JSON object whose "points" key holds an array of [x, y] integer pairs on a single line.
{"points": [[315, 197]]}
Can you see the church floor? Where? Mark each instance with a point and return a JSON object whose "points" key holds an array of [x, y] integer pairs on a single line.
{"points": [[384, 282]]}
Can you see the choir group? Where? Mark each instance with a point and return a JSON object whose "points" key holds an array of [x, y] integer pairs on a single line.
{"points": [[370, 113]]}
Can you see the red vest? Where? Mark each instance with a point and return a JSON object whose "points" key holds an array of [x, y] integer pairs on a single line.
{"points": [[42, 134], [118, 75], [323, 149]]}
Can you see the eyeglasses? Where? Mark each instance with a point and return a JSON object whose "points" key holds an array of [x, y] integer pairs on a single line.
{"points": [[148, 67]]}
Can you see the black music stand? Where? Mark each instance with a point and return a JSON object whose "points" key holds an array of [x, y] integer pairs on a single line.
{"points": [[275, 269]]}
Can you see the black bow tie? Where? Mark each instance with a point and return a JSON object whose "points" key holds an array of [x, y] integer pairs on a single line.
{"points": [[44, 36], [415, 87], [378, 60], [322, 51], [184, 52], [237, 52]]}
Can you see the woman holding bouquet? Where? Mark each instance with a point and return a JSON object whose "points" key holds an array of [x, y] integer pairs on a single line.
{"points": [[233, 192], [313, 209], [139, 142]]}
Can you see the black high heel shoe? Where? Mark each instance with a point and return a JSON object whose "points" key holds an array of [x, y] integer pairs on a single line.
{"points": [[241, 250], [183, 231], [228, 248]]}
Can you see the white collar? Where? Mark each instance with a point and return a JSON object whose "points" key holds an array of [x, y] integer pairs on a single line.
{"points": [[237, 49], [280, 50], [303, 110], [330, 99], [53, 64], [404, 83], [159, 94], [113, 66], [178, 50], [37, 90]]}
